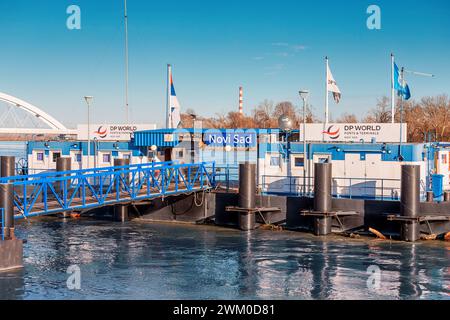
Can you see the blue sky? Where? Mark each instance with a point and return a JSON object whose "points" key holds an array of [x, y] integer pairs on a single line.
{"points": [[272, 48]]}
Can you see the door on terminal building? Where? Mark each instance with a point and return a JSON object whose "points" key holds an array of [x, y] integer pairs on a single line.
{"points": [[168, 155], [361, 176]]}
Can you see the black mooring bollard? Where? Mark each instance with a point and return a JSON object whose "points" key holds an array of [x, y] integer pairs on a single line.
{"points": [[121, 210], [410, 202], [7, 203], [247, 185], [63, 164], [323, 173], [7, 169], [447, 196], [430, 196], [247, 195], [7, 166], [11, 250]]}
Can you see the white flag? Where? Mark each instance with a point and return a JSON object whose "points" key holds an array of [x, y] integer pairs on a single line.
{"points": [[174, 106], [332, 86]]}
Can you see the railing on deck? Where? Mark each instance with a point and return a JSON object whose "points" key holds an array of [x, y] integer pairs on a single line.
{"points": [[2, 212], [352, 188], [227, 176], [52, 192]]}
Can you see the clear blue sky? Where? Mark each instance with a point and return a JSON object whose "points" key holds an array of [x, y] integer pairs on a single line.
{"points": [[272, 48]]}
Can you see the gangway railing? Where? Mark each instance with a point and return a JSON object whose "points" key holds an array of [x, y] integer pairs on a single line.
{"points": [[352, 188], [55, 192], [2, 213]]}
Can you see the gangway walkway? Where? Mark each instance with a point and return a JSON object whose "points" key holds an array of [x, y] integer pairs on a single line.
{"points": [[80, 190]]}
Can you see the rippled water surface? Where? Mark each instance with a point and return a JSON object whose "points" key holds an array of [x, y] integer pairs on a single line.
{"points": [[161, 261]]}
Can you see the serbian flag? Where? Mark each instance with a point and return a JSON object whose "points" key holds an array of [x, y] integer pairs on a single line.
{"points": [[174, 105], [332, 86]]}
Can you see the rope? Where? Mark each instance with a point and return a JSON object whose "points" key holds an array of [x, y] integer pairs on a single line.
{"points": [[203, 199]]}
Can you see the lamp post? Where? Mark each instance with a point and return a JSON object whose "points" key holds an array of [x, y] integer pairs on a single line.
{"points": [[89, 100], [304, 94]]}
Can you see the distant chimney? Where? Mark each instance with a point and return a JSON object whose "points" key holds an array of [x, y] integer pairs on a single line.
{"points": [[241, 100]]}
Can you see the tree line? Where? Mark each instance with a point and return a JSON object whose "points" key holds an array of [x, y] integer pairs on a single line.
{"points": [[427, 117]]}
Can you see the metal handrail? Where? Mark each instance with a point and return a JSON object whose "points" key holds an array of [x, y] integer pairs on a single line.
{"points": [[83, 171], [295, 184], [3, 223], [94, 188]]}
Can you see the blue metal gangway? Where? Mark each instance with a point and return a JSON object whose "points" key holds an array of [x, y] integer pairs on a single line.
{"points": [[80, 190]]}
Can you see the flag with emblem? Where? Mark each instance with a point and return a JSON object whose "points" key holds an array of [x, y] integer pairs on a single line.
{"points": [[332, 86], [174, 114]]}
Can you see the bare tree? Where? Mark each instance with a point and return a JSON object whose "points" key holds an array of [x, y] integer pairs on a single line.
{"points": [[347, 118], [262, 114], [381, 113], [286, 108]]}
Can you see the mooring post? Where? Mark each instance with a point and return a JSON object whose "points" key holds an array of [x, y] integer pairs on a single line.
{"points": [[430, 196], [410, 202], [63, 164], [323, 173], [7, 203], [247, 195], [7, 169], [7, 166], [11, 250], [447, 196], [121, 210]]}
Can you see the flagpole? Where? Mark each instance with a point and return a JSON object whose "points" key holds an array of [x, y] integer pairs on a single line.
{"points": [[392, 89], [401, 117], [326, 92], [127, 111], [169, 71]]}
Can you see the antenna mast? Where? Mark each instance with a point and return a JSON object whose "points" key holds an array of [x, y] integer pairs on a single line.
{"points": [[126, 65]]}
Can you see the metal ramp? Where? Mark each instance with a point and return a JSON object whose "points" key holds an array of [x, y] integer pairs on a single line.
{"points": [[80, 190]]}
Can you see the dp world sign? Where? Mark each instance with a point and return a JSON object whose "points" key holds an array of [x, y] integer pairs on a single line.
{"points": [[111, 132], [355, 132]]}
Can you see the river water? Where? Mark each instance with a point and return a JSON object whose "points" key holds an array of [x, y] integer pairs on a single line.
{"points": [[161, 261]]}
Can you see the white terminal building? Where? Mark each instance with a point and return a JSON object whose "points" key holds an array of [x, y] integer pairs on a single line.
{"points": [[366, 158]]}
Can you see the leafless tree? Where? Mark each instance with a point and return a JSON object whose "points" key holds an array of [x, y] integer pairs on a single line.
{"points": [[381, 113]]}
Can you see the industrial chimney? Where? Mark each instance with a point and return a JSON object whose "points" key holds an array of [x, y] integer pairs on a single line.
{"points": [[241, 100]]}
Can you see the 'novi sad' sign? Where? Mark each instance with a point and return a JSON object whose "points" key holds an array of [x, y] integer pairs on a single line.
{"points": [[233, 138]]}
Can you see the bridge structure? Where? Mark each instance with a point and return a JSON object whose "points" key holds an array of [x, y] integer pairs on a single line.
{"points": [[83, 190], [21, 117]]}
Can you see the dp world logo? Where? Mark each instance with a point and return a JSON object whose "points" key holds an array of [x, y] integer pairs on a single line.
{"points": [[332, 133], [102, 132]]}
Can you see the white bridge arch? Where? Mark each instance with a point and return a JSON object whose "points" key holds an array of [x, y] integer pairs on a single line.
{"points": [[54, 126]]}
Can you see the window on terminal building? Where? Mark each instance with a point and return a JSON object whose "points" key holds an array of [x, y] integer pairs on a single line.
{"points": [[78, 157], [299, 162], [180, 154], [275, 161], [106, 158], [40, 156]]}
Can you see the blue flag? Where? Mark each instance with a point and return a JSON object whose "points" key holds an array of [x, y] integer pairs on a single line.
{"points": [[400, 84]]}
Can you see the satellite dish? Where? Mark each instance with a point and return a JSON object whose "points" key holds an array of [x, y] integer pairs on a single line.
{"points": [[285, 123]]}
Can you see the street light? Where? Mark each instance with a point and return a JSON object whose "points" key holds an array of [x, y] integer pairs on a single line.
{"points": [[304, 94], [89, 100]]}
